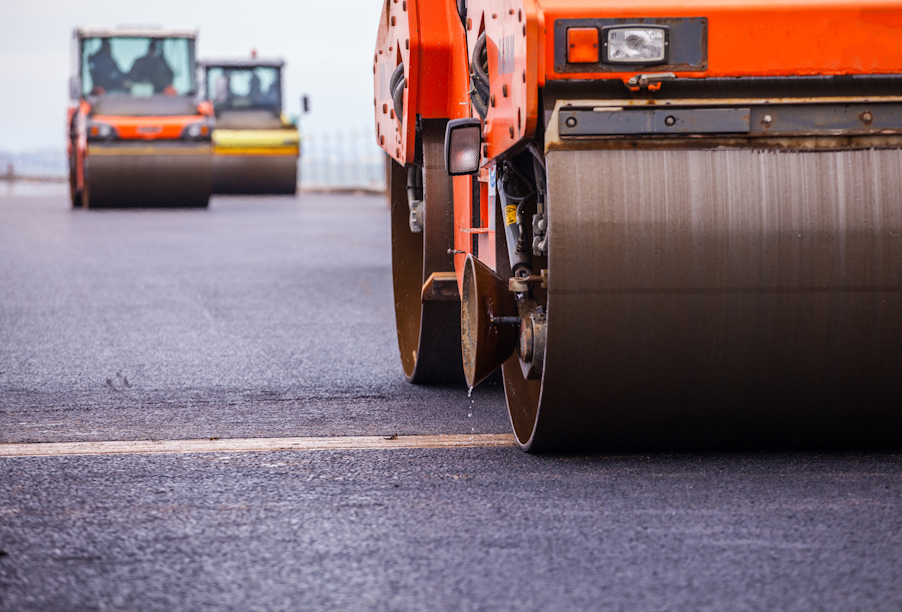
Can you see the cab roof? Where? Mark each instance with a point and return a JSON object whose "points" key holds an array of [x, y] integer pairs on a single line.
{"points": [[245, 63], [134, 32]]}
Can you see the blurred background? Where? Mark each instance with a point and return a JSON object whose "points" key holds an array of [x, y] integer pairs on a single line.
{"points": [[327, 47]]}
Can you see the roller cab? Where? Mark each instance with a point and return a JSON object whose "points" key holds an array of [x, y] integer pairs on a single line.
{"points": [[682, 223], [256, 148], [137, 136]]}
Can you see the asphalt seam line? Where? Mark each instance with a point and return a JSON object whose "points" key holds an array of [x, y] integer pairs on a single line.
{"points": [[244, 445]]}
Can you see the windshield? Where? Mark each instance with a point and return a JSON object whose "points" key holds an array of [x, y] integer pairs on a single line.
{"points": [[244, 88], [137, 67]]}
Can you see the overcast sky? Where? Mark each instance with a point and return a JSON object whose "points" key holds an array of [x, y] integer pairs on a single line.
{"points": [[327, 45]]}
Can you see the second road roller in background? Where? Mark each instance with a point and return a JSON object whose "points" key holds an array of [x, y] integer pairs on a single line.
{"points": [[137, 135], [256, 148], [671, 225]]}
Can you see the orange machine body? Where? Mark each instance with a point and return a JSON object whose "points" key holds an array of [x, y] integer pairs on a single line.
{"points": [[148, 128], [742, 38], [428, 38]]}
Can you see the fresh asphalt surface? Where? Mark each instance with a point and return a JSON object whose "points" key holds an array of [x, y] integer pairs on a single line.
{"points": [[273, 318]]}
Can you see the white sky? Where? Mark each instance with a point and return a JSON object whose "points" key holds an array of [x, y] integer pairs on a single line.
{"points": [[327, 45]]}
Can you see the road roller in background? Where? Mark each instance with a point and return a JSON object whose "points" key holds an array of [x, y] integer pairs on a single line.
{"points": [[256, 147], [137, 135], [671, 225]]}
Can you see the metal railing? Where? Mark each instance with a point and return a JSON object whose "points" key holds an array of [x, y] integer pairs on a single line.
{"points": [[44, 165], [341, 160], [330, 161]]}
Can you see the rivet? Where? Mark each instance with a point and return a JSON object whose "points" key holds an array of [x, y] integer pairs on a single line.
{"points": [[384, 108], [381, 140], [570, 122], [393, 17], [391, 113], [669, 120]]}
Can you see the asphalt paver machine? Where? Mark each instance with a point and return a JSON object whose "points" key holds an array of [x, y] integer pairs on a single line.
{"points": [[672, 225], [137, 134], [256, 147]]}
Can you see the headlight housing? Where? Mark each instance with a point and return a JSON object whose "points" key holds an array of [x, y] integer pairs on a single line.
{"points": [[200, 130], [635, 44], [101, 131]]}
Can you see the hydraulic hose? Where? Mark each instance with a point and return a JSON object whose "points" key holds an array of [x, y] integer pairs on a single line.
{"points": [[396, 85], [479, 77]]}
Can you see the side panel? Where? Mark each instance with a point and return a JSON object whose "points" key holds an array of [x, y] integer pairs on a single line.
{"points": [[513, 29], [428, 38], [755, 38]]}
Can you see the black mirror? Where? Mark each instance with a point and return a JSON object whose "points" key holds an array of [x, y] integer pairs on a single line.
{"points": [[305, 104], [463, 145]]}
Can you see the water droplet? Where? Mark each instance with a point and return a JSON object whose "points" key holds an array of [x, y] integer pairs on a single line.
{"points": [[470, 392], [469, 414]]}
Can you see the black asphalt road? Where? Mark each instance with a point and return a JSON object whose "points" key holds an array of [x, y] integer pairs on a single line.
{"points": [[273, 317]]}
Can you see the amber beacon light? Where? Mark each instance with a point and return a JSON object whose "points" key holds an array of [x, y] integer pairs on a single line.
{"points": [[582, 45]]}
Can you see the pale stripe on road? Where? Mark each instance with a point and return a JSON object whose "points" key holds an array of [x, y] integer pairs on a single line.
{"points": [[238, 445]]}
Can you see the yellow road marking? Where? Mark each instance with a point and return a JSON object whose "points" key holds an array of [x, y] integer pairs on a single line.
{"points": [[239, 445]]}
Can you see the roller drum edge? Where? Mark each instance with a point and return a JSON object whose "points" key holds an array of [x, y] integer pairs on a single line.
{"points": [[428, 331], [719, 299], [148, 180]]}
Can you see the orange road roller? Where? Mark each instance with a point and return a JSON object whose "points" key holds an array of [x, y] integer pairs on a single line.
{"points": [[255, 146], [137, 135], [671, 225]]}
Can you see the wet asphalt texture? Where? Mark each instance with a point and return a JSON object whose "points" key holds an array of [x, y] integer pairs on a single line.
{"points": [[273, 317]]}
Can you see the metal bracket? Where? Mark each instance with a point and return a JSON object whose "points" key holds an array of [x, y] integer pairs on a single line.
{"points": [[651, 81], [441, 287], [520, 284]]}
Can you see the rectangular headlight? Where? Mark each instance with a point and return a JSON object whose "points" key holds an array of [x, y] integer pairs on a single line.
{"points": [[463, 146], [635, 45]]}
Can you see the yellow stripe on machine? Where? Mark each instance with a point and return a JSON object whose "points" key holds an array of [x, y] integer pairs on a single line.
{"points": [[256, 139], [287, 151]]}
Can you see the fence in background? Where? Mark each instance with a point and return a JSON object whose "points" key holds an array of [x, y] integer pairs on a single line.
{"points": [[34, 165], [329, 161], [342, 160]]}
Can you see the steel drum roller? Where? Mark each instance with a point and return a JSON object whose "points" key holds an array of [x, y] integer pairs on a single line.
{"points": [[148, 176], [255, 174], [719, 298]]}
